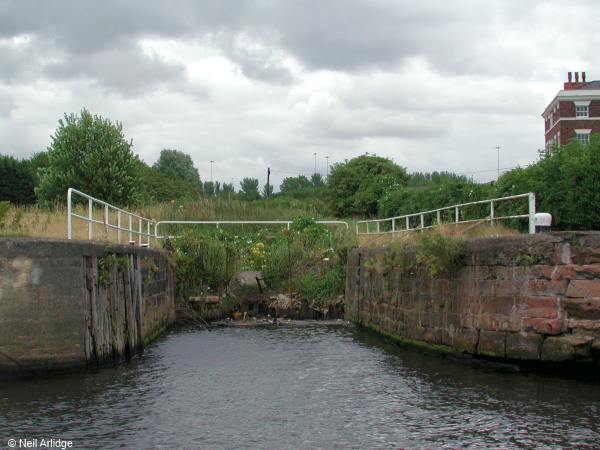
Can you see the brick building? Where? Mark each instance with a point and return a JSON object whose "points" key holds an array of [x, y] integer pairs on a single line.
{"points": [[574, 112]]}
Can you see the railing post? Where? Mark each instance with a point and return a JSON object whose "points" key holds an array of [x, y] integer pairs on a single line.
{"points": [[439, 217], [69, 218], [106, 219], [492, 212], [377, 227], [393, 225], [422, 222], [148, 232], [130, 228], [456, 215], [140, 235], [531, 213], [407, 223], [90, 218], [119, 226]]}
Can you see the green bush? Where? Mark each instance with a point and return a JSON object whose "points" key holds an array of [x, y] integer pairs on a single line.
{"points": [[91, 154], [323, 286], [439, 254], [17, 182], [354, 187], [566, 181]]}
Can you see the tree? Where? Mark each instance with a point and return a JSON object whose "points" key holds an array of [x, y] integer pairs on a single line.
{"points": [[178, 163], [291, 185], [317, 180], [267, 191], [17, 181], [249, 189], [209, 189], [354, 187], [566, 181], [90, 153], [160, 186]]}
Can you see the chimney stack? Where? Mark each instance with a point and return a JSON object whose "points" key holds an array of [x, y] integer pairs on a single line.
{"points": [[569, 77], [576, 77], [583, 77]]}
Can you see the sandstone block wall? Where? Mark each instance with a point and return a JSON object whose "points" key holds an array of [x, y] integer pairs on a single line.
{"points": [[519, 297], [67, 304]]}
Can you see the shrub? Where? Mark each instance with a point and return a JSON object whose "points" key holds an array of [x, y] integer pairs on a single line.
{"points": [[355, 187], [17, 182], [90, 153]]}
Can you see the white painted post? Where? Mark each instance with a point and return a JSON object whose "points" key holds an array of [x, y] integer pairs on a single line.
{"points": [[422, 222], [393, 225], [139, 232], [148, 231], [456, 215], [531, 213], [377, 227], [90, 218], [407, 223], [130, 228], [106, 219], [492, 213], [439, 217], [69, 213], [119, 226]]}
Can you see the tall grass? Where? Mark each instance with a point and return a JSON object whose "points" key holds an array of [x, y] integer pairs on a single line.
{"points": [[51, 222]]}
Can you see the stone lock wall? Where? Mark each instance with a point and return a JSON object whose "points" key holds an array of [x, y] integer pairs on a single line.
{"points": [[519, 297], [66, 304]]}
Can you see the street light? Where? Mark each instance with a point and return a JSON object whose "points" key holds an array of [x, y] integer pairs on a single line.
{"points": [[315, 162], [211, 173], [327, 158]]}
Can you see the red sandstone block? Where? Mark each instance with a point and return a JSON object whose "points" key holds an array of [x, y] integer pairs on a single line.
{"points": [[584, 288], [544, 272], [465, 340], [563, 272], [587, 270], [492, 343], [498, 322], [523, 345], [543, 326], [547, 287], [498, 304], [582, 308], [541, 307], [584, 325]]}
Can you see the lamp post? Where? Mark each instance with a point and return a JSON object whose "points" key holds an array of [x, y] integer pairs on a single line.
{"points": [[315, 162], [211, 172], [327, 158]]}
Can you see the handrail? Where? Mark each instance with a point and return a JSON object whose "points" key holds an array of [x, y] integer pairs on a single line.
{"points": [[491, 218], [217, 223], [131, 218]]}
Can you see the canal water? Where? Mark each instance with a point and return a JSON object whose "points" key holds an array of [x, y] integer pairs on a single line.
{"points": [[299, 388]]}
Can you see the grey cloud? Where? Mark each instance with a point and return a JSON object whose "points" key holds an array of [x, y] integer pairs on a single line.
{"points": [[344, 35], [124, 69]]}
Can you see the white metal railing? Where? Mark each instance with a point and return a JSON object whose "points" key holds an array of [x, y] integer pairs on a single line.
{"points": [[404, 221], [135, 224], [218, 223]]}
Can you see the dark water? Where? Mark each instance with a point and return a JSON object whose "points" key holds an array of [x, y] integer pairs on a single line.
{"points": [[301, 388]]}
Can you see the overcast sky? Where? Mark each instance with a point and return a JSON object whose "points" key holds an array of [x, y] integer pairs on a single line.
{"points": [[434, 85]]}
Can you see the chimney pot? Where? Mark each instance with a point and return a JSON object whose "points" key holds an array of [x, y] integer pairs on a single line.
{"points": [[576, 77], [583, 76], [570, 76]]}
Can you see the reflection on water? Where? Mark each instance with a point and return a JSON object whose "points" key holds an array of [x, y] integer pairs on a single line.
{"points": [[299, 388]]}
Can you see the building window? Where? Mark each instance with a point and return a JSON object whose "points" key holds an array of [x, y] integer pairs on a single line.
{"points": [[581, 110], [583, 136]]}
